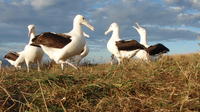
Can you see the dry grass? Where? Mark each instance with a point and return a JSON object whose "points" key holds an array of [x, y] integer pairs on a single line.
{"points": [[169, 85]]}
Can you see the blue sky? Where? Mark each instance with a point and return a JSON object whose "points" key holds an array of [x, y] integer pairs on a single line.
{"points": [[175, 23]]}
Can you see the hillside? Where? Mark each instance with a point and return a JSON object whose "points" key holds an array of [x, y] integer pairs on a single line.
{"points": [[171, 84]]}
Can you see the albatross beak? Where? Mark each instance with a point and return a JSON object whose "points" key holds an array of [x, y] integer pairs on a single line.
{"points": [[87, 24], [86, 35], [108, 31], [137, 27]]}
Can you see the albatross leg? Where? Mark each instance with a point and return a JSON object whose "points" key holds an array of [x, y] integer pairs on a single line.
{"points": [[119, 60], [27, 66], [66, 62], [71, 65], [62, 66], [112, 59], [38, 65]]}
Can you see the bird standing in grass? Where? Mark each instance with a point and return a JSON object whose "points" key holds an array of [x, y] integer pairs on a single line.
{"points": [[151, 53], [121, 48], [60, 47], [32, 53]]}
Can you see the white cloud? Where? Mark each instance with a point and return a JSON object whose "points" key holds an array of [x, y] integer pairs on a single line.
{"points": [[187, 4], [36, 4], [127, 1], [176, 8], [195, 3], [171, 1], [40, 4]]}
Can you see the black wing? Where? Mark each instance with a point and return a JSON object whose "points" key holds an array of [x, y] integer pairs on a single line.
{"points": [[11, 56], [52, 40], [157, 49], [129, 45]]}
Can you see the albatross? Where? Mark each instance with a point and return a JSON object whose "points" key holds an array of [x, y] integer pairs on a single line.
{"points": [[32, 53], [61, 46], [121, 48], [151, 53]]}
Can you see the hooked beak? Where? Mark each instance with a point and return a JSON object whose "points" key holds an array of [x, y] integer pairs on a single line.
{"points": [[87, 24], [137, 27], [86, 35], [108, 31]]}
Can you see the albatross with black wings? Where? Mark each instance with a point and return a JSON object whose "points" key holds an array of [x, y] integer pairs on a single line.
{"points": [[120, 48], [152, 52], [60, 47]]}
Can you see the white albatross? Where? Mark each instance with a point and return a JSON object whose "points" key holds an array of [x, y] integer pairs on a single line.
{"points": [[60, 47], [32, 53], [121, 48], [151, 53], [11, 57]]}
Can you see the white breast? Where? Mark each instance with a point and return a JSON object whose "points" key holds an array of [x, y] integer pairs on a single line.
{"points": [[33, 53], [112, 48], [142, 54]]}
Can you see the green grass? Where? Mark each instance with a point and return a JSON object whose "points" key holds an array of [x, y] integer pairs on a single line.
{"points": [[171, 84]]}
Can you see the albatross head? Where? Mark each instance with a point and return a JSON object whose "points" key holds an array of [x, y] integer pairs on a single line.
{"points": [[81, 19], [139, 29], [31, 29], [112, 27]]}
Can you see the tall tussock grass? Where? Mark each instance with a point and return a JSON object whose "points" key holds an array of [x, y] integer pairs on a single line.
{"points": [[171, 84]]}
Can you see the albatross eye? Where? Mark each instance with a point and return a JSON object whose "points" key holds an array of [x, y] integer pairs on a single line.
{"points": [[83, 18]]}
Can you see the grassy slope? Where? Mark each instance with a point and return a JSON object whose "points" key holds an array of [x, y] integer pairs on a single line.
{"points": [[172, 84]]}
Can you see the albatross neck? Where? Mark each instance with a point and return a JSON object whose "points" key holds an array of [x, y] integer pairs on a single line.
{"points": [[77, 28], [116, 35], [143, 39], [32, 35]]}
